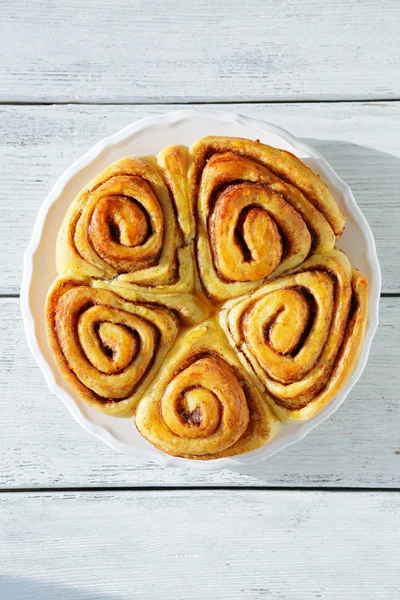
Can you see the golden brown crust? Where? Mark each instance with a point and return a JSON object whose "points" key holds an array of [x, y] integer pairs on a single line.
{"points": [[123, 223], [152, 246], [284, 164], [106, 348], [190, 308], [260, 211], [301, 334], [203, 405], [175, 162]]}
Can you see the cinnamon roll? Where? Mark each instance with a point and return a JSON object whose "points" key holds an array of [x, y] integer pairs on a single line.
{"points": [[203, 405], [107, 349], [260, 211], [123, 224], [199, 291], [301, 334]]}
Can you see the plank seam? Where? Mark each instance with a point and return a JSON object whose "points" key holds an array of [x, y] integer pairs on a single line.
{"points": [[390, 294], [245, 488], [183, 102]]}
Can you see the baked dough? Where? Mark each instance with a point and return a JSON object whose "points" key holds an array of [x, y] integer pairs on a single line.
{"points": [[108, 349], [123, 225], [203, 405], [302, 333], [200, 292], [260, 211]]}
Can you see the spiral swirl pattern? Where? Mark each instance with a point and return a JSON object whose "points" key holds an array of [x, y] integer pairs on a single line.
{"points": [[124, 224], [260, 212], [204, 406], [199, 291], [108, 349], [302, 333]]}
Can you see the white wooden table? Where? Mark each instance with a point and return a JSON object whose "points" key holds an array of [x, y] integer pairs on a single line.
{"points": [[321, 519]]}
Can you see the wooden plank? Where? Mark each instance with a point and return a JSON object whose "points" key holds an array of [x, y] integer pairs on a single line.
{"points": [[181, 51], [42, 447], [233, 545], [360, 140]]}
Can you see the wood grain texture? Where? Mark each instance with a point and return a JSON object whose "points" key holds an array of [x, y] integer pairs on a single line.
{"points": [[42, 447], [241, 545], [232, 544], [131, 51], [360, 140]]}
